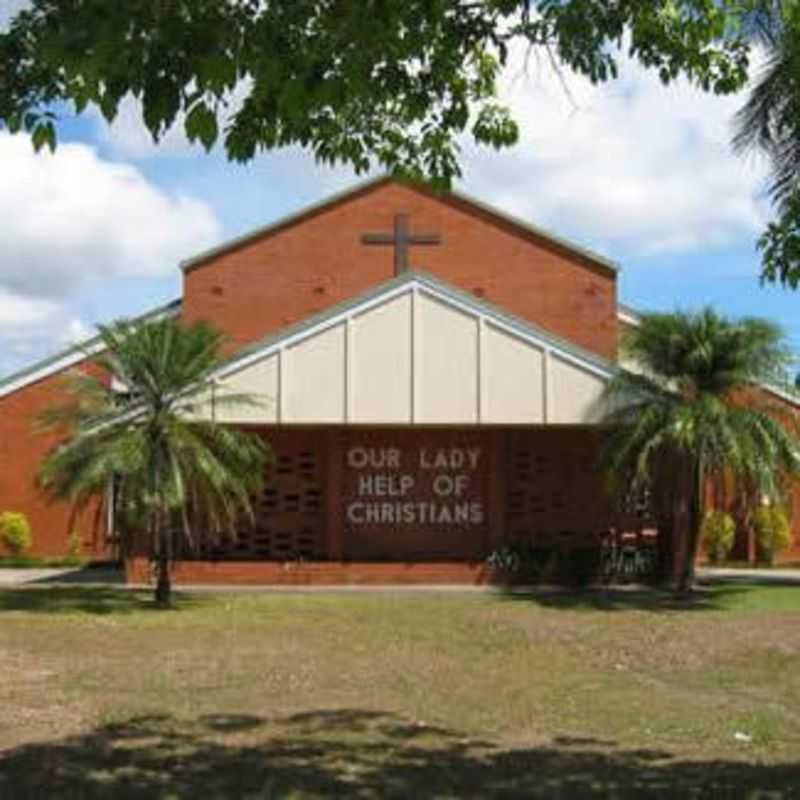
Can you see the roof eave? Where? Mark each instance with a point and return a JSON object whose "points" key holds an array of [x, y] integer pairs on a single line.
{"points": [[71, 356]]}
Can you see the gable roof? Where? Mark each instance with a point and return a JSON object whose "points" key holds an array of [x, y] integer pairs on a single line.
{"points": [[434, 287], [297, 217], [73, 355]]}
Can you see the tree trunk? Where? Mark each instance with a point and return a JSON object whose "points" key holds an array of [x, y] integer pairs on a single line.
{"points": [[694, 519], [686, 582], [163, 593]]}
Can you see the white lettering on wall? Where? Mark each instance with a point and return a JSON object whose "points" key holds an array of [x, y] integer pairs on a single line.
{"points": [[387, 495], [383, 485], [377, 458]]}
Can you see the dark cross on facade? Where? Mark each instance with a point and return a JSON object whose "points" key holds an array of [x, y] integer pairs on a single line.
{"points": [[402, 239]]}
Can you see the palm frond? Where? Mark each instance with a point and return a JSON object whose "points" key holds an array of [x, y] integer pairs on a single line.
{"points": [[769, 121], [163, 463]]}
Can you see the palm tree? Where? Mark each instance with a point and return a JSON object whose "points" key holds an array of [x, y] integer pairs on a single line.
{"points": [[175, 471], [770, 118], [689, 420], [769, 122]]}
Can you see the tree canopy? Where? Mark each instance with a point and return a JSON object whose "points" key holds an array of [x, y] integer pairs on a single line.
{"points": [[368, 83], [393, 85]]}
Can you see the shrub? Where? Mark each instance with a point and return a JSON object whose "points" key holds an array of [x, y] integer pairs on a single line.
{"points": [[538, 562], [15, 533], [718, 532], [505, 559], [582, 566], [772, 530]]}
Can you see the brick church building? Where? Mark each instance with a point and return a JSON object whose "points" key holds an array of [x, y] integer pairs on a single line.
{"points": [[428, 370]]}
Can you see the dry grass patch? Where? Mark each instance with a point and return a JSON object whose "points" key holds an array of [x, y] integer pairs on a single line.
{"points": [[374, 695]]}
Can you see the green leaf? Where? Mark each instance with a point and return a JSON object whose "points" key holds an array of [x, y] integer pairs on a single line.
{"points": [[44, 135], [390, 83], [201, 123]]}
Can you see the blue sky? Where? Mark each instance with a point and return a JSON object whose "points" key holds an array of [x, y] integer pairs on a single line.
{"points": [[641, 173]]}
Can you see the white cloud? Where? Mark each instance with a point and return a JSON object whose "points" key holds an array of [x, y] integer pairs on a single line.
{"points": [[16, 311], [31, 328], [70, 217], [128, 137], [630, 166]]}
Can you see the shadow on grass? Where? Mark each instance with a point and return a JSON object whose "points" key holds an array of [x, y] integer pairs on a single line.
{"points": [[87, 600], [106, 573], [359, 754], [704, 598]]}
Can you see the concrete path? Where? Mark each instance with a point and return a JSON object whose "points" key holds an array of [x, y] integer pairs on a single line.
{"points": [[786, 577], [60, 576]]}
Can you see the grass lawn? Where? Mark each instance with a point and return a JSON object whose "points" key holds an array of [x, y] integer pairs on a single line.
{"points": [[400, 695]]}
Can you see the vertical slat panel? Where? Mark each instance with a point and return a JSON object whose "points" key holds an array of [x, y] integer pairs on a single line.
{"points": [[498, 488]]}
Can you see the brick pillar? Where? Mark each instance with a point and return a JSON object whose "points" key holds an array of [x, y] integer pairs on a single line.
{"points": [[334, 509], [498, 488]]}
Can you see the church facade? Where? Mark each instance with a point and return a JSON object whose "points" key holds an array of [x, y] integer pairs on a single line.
{"points": [[428, 373]]}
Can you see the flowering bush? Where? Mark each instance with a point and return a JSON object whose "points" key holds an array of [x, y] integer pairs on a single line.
{"points": [[718, 532], [772, 529], [15, 533]]}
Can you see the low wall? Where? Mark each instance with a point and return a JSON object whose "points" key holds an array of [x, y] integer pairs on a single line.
{"points": [[320, 573]]}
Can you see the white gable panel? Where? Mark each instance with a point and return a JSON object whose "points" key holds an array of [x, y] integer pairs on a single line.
{"points": [[416, 352], [380, 364], [260, 381], [576, 393], [513, 377], [314, 375], [446, 363]]}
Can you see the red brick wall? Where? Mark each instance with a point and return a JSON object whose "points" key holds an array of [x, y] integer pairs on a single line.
{"points": [[568, 509], [22, 449], [791, 418], [279, 279], [744, 547], [529, 484], [272, 573], [793, 553]]}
